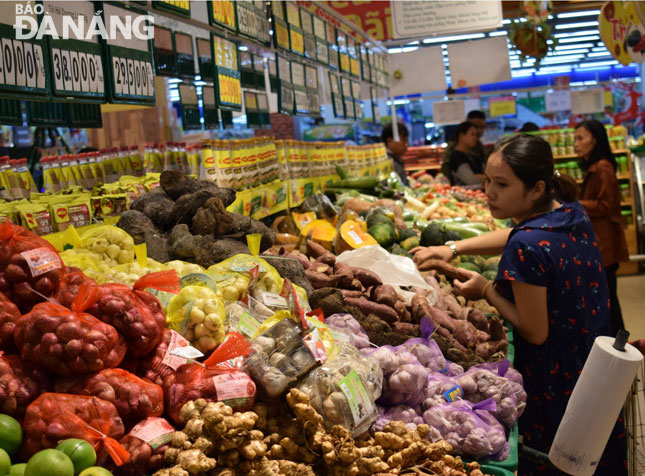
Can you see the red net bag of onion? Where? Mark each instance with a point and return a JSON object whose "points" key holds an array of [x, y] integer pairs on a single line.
{"points": [[53, 417], [9, 315], [20, 384], [30, 267], [135, 399]]}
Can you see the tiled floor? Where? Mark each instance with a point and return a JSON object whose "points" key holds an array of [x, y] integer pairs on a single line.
{"points": [[631, 294]]}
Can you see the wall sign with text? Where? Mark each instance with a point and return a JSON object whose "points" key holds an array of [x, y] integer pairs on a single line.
{"points": [[227, 70]]}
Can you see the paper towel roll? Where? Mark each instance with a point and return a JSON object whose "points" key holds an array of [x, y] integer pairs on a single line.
{"points": [[594, 407]]}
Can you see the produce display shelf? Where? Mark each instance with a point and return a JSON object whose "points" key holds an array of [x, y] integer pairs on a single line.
{"points": [[574, 156]]}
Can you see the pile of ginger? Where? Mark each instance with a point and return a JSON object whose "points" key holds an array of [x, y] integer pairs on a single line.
{"points": [[293, 441]]}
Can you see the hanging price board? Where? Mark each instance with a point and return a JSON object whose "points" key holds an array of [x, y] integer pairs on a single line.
{"points": [[164, 48], [296, 40], [285, 98], [84, 116], [356, 90], [341, 41], [376, 114], [222, 13], [354, 67], [180, 7], [298, 74], [309, 46], [251, 109], [322, 52], [293, 14], [205, 59], [263, 109], [345, 87], [277, 9], [284, 68], [350, 113], [190, 117], [320, 30], [337, 97], [10, 112], [502, 106], [301, 100], [314, 103], [76, 64], [130, 70], [24, 67], [252, 22], [311, 77], [209, 107], [281, 36], [228, 82], [358, 110], [246, 69], [185, 55], [365, 65]]}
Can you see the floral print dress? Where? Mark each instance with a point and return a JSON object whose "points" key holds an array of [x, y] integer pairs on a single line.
{"points": [[558, 250]]}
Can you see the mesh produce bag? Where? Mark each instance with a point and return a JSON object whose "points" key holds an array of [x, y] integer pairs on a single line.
{"points": [[53, 417], [66, 342], [147, 443], [70, 285], [20, 384], [28, 263], [214, 381], [161, 363], [135, 399], [136, 313], [9, 315]]}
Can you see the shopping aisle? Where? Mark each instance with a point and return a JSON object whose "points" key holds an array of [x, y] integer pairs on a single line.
{"points": [[631, 293]]}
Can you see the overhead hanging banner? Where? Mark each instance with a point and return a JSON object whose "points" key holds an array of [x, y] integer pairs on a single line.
{"points": [[479, 62], [557, 101], [414, 18], [416, 72], [448, 112], [587, 101], [622, 30], [502, 106]]}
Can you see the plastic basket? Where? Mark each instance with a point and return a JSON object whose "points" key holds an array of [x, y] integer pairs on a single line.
{"points": [[495, 471]]}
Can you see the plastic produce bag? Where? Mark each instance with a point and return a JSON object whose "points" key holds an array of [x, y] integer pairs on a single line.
{"points": [[198, 314], [440, 389], [28, 263], [238, 268], [279, 357], [112, 243], [427, 352], [213, 380], [344, 390], [351, 331], [136, 313], [53, 417], [160, 363], [134, 398], [147, 443], [68, 343], [9, 315], [20, 384], [92, 264], [130, 273], [183, 268], [470, 429]]}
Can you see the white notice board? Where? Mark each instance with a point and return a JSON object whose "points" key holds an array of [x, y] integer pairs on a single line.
{"points": [[479, 62], [419, 18], [587, 101], [448, 112], [557, 101], [420, 71]]}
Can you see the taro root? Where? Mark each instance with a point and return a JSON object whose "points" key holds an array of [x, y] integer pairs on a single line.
{"points": [[176, 185], [156, 205], [67, 343], [143, 230], [291, 269], [212, 219], [134, 398]]}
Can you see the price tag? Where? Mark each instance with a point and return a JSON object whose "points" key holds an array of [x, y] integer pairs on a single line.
{"points": [[281, 35], [286, 98], [22, 64], [298, 74], [284, 68], [302, 101], [222, 13], [248, 325], [297, 41], [229, 89], [358, 399], [293, 14], [320, 29], [502, 106], [311, 77], [322, 52], [187, 352], [356, 89], [333, 81]]}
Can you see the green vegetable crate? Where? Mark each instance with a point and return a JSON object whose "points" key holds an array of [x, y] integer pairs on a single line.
{"points": [[494, 471], [509, 465]]}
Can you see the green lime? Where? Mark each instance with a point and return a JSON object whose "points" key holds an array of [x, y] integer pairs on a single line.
{"points": [[18, 469], [5, 462], [10, 434], [49, 463], [80, 452], [96, 471]]}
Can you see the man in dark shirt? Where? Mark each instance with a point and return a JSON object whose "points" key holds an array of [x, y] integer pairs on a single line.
{"points": [[479, 119], [396, 149]]}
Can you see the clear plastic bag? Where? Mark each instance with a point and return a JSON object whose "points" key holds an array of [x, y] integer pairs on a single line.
{"points": [[350, 327]]}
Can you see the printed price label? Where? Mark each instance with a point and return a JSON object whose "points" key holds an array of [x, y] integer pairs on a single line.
{"points": [[316, 346], [248, 325], [85, 72], [132, 77], [230, 90], [171, 360], [360, 402], [234, 389], [21, 64], [453, 394], [274, 300], [154, 431], [41, 261], [188, 352]]}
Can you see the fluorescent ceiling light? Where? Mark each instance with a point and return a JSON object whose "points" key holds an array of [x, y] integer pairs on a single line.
{"points": [[584, 24], [498, 33], [600, 53], [174, 80], [590, 83], [588, 13], [563, 59], [580, 38], [410, 48], [599, 48], [568, 52], [428, 41], [571, 47], [576, 33], [428, 125], [394, 50], [554, 69], [506, 21], [516, 73], [598, 64], [243, 48], [412, 43]]}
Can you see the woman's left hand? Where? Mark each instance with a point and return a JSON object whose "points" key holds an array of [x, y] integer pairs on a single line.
{"points": [[470, 284]]}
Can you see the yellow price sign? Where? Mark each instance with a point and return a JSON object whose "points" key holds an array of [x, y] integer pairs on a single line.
{"points": [[223, 12], [502, 106], [344, 62], [354, 66], [230, 90], [281, 35], [297, 42]]}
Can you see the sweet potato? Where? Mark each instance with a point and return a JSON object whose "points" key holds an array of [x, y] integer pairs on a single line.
{"points": [[328, 259], [441, 266], [351, 293], [367, 277], [465, 333], [496, 329], [406, 328], [478, 319], [346, 273], [421, 308], [316, 250], [385, 294], [320, 280], [402, 310], [368, 307], [486, 349]]}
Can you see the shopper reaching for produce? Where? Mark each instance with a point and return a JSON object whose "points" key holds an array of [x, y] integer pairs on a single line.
{"points": [[550, 285], [600, 197], [466, 169], [396, 149]]}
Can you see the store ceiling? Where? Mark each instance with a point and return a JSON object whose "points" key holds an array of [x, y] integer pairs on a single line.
{"points": [[576, 29]]}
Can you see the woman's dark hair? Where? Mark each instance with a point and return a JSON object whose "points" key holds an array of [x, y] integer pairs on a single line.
{"points": [[531, 160], [529, 127], [462, 128], [602, 149]]}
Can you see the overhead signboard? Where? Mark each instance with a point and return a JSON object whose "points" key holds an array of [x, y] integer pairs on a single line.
{"points": [[76, 63], [228, 81], [502, 106], [414, 18], [222, 13], [479, 62], [205, 59], [185, 55], [448, 112], [587, 101], [130, 73], [418, 71], [24, 66], [621, 30], [209, 107], [180, 7], [557, 101], [190, 117]]}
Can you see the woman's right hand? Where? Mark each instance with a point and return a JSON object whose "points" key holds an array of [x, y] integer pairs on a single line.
{"points": [[422, 253]]}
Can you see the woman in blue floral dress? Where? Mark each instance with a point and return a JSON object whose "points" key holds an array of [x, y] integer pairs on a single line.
{"points": [[551, 286]]}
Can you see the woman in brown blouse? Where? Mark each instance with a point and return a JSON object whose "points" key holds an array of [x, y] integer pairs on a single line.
{"points": [[600, 197]]}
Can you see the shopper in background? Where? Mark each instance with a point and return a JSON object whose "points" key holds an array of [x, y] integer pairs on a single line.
{"points": [[550, 286], [396, 149], [600, 196], [477, 118], [466, 169], [529, 127]]}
